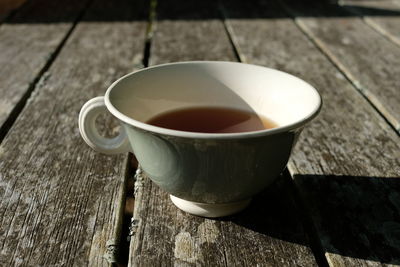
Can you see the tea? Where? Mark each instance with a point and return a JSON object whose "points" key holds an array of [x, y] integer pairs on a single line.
{"points": [[212, 120]]}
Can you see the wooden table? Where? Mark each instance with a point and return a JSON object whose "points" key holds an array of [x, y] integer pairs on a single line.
{"points": [[62, 204]]}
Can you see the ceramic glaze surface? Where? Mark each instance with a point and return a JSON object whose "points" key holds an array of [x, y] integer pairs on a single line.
{"points": [[211, 171]]}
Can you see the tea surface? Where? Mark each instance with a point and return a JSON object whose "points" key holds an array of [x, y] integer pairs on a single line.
{"points": [[212, 120]]}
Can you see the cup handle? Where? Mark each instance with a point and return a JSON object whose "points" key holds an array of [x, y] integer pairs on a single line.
{"points": [[87, 117]]}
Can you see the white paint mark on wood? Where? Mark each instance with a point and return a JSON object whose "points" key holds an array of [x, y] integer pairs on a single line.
{"points": [[208, 232], [186, 248]]}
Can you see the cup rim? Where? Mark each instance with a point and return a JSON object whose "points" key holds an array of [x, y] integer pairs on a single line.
{"points": [[165, 131]]}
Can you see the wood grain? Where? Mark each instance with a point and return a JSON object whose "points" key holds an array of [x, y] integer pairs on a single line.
{"points": [[27, 46], [268, 233], [346, 163], [383, 16], [368, 60], [180, 29], [61, 202]]}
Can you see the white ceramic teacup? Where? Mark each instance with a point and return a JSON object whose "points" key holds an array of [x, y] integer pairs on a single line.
{"points": [[205, 174]]}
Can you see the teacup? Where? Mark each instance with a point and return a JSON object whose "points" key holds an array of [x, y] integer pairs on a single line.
{"points": [[206, 174]]}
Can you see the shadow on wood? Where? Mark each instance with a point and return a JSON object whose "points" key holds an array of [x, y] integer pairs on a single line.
{"points": [[41, 11], [270, 230], [47, 11], [273, 213], [358, 217]]}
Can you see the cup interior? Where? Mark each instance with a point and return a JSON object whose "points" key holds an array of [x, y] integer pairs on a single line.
{"points": [[278, 96]]}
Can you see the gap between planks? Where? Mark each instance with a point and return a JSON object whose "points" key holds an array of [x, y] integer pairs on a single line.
{"points": [[312, 44], [229, 32], [8, 9], [371, 22], [12, 117], [133, 169], [111, 247], [305, 216], [370, 97], [135, 225]]}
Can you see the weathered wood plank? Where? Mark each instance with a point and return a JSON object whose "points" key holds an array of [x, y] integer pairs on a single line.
{"points": [[180, 29], [367, 59], [373, 7], [383, 16], [343, 160], [28, 42], [61, 202], [269, 232]]}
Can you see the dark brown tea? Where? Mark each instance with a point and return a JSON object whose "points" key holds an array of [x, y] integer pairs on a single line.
{"points": [[212, 120]]}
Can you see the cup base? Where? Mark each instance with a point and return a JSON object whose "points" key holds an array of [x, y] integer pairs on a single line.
{"points": [[209, 210]]}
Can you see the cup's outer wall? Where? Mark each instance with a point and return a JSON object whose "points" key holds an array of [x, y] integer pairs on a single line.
{"points": [[211, 171]]}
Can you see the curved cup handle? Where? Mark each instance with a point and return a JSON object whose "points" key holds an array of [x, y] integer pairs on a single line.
{"points": [[87, 117]]}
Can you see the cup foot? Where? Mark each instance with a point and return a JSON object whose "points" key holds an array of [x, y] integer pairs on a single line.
{"points": [[209, 210]]}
